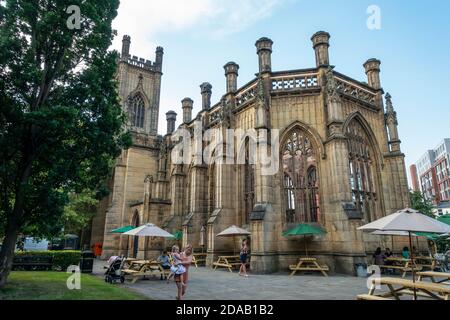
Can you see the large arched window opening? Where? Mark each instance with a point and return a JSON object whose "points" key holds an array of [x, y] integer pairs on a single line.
{"points": [[212, 189], [249, 181], [361, 170], [300, 179], [135, 222], [137, 111]]}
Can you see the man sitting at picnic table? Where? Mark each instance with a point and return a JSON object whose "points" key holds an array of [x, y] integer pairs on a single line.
{"points": [[164, 261]]}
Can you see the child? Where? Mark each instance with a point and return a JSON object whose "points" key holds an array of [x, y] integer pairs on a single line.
{"points": [[177, 269]]}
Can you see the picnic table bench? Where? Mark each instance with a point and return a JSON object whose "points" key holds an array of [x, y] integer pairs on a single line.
{"points": [[198, 258], [309, 264], [32, 263], [142, 269], [445, 277], [406, 287], [227, 262], [401, 264], [425, 262]]}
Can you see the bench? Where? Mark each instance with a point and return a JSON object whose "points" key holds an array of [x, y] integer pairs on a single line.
{"points": [[33, 263], [142, 270], [404, 269], [445, 277], [228, 262], [309, 264], [198, 258], [371, 297], [408, 287]]}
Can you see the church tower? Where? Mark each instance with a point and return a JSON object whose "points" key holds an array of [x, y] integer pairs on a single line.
{"points": [[139, 90]]}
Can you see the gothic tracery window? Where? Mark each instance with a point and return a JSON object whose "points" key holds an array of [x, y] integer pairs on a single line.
{"points": [[137, 111], [249, 182], [300, 179], [361, 166]]}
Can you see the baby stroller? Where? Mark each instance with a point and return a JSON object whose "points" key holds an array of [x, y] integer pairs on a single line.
{"points": [[114, 273]]}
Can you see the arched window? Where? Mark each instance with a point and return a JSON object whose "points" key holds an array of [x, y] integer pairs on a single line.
{"points": [[212, 188], [300, 179], [249, 181], [137, 111], [361, 168], [135, 222]]}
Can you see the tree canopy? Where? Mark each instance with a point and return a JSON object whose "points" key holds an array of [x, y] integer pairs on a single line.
{"points": [[61, 122], [420, 203]]}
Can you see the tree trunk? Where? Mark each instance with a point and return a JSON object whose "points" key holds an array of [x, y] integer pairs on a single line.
{"points": [[8, 248], [12, 228]]}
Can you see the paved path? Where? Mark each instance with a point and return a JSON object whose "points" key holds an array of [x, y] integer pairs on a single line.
{"points": [[206, 284]]}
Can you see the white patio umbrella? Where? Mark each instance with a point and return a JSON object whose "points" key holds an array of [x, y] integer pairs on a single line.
{"points": [[149, 230], [233, 232], [411, 221]]}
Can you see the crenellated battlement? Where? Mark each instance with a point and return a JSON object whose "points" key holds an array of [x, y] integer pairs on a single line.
{"points": [[141, 62]]}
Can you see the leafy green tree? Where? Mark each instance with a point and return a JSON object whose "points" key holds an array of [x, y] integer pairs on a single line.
{"points": [[61, 123], [420, 203], [79, 212]]}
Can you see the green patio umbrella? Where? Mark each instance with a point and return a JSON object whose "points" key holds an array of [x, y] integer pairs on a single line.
{"points": [[445, 219], [305, 230], [178, 235], [433, 236], [123, 229]]}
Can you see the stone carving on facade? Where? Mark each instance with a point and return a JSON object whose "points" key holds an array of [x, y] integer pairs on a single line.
{"points": [[390, 112], [331, 86], [226, 113], [262, 107]]}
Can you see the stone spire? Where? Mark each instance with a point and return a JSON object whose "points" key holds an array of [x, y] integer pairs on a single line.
{"points": [[126, 42], [372, 67], [392, 125], [206, 91], [171, 117], [187, 105], [321, 43], [231, 74], [264, 51]]}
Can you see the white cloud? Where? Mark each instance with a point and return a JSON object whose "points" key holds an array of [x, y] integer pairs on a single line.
{"points": [[143, 20]]}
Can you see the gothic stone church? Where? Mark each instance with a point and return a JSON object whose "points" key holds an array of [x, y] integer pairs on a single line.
{"points": [[340, 164]]}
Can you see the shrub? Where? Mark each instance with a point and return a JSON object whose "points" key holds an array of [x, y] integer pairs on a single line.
{"points": [[61, 259]]}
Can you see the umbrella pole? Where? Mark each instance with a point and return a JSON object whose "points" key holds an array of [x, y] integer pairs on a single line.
{"points": [[412, 265]]}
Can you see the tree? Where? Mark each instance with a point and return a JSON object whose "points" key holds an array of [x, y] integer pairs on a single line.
{"points": [[61, 123], [420, 203], [79, 212]]}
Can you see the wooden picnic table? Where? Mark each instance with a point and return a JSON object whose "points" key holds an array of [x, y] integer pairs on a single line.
{"points": [[402, 264], [445, 277], [227, 262], [144, 268], [308, 264], [406, 287], [198, 258], [426, 262]]}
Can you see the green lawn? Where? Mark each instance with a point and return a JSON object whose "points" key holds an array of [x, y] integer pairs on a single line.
{"points": [[52, 286]]}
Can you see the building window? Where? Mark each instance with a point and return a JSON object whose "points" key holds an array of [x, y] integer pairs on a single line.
{"points": [[136, 109], [300, 179], [361, 170], [249, 182], [212, 188]]}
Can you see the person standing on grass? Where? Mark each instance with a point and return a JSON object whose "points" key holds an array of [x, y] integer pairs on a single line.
{"points": [[243, 258], [186, 261]]}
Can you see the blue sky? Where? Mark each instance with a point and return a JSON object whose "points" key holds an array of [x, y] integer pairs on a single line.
{"points": [[200, 36]]}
